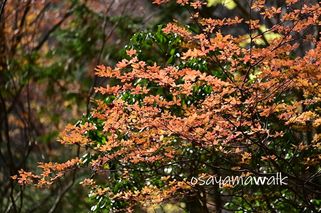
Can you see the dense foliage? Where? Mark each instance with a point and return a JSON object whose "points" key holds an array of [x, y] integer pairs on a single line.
{"points": [[191, 107], [48, 51]]}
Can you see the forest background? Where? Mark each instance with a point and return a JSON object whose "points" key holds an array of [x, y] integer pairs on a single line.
{"points": [[49, 51]]}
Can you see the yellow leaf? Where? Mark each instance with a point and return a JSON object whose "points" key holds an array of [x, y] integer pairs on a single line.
{"points": [[229, 4]]}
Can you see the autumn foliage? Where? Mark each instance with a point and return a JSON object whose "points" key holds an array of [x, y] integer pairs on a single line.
{"points": [[219, 105]]}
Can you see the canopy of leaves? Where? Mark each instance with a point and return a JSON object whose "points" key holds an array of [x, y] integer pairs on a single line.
{"points": [[209, 107]]}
